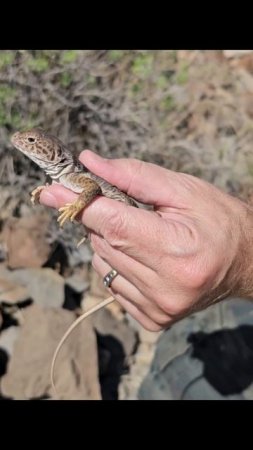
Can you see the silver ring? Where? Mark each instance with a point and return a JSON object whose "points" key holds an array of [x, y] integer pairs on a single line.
{"points": [[107, 280]]}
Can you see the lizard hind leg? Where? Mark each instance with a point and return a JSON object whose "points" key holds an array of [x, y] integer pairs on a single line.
{"points": [[90, 190]]}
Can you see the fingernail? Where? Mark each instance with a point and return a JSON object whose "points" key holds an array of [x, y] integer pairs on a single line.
{"points": [[48, 199]]}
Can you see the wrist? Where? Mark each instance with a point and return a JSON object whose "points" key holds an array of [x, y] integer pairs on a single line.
{"points": [[239, 280], [237, 277]]}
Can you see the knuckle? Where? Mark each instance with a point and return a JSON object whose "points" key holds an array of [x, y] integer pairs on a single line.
{"points": [[192, 274], [115, 230], [195, 276], [170, 308], [99, 245], [136, 168]]}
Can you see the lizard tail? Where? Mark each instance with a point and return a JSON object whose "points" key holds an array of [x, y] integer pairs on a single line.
{"points": [[68, 332]]}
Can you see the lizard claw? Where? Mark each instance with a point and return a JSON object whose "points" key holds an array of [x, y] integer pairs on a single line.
{"points": [[35, 195]]}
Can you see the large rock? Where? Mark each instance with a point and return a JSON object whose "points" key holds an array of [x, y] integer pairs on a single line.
{"points": [[12, 293], [26, 241], [43, 285], [106, 325], [8, 337], [76, 370]]}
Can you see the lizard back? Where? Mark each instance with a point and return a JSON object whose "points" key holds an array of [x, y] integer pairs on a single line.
{"points": [[49, 153]]}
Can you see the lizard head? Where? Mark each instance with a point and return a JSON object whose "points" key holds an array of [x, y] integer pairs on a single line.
{"points": [[45, 150]]}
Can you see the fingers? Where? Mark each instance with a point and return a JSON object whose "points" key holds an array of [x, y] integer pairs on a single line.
{"points": [[143, 310], [135, 272], [146, 182], [57, 196], [130, 230]]}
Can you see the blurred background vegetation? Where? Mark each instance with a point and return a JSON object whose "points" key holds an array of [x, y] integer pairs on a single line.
{"points": [[186, 110]]}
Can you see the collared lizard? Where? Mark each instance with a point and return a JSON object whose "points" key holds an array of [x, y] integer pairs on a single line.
{"points": [[49, 153]]}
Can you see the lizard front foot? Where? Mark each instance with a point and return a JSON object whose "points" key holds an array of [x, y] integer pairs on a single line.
{"points": [[70, 211], [35, 194]]}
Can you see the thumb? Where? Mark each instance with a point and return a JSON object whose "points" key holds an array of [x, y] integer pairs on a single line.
{"points": [[144, 181]]}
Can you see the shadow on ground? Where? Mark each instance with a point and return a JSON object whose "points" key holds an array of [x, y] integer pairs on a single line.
{"points": [[227, 358]]}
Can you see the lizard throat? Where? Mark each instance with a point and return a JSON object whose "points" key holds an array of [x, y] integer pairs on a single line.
{"points": [[55, 171]]}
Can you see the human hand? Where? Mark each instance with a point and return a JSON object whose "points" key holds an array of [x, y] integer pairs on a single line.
{"points": [[191, 251]]}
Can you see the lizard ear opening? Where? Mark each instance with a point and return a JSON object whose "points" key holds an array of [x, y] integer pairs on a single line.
{"points": [[31, 140]]}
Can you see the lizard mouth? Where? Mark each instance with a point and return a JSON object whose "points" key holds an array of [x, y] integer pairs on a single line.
{"points": [[14, 139]]}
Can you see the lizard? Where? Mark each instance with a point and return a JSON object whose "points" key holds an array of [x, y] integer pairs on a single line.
{"points": [[58, 162], [50, 154]]}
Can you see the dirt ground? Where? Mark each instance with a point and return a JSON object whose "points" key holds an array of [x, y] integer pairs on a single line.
{"points": [[189, 111]]}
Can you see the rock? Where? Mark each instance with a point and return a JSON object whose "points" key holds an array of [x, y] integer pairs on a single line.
{"points": [[148, 337], [78, 282], [12, 293], [8, 202], [205, 356], [116, 343], [116, 310], [80, 255], [1, 320], [105, 324], [44, 285], [26, 242], [236, 53], [89, 301], [76, 370], [8, 337], [3, 251]]}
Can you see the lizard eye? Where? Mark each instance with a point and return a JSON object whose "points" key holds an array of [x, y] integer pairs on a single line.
{"points": [[31, 140]]}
